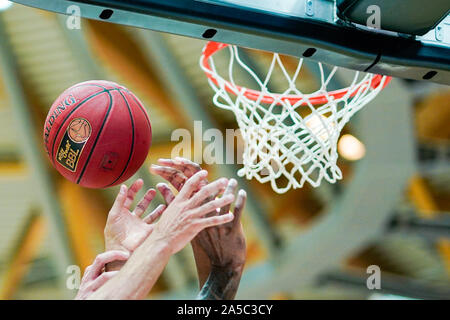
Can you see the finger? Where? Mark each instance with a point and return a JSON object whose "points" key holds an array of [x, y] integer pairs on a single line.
{"points": [[135, 187], [239, 205], [102, 259], [101, 280], [120, 199], [212, 189], [165, 192], [215, 221], [186, 166], [175, 177], [145, 202], [192, 184], [155, 214], [211, 206], [230, 189]]}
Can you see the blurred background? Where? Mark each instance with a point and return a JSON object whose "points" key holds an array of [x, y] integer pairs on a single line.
{"points": [[390, 210]]}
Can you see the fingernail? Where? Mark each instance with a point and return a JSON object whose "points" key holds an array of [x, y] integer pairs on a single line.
{"points": [[242, 193], [204, 173], [123, 188], [161, 185], [223, 180]]}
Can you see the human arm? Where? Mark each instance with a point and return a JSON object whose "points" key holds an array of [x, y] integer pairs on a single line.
{"points": [[222, 284], [226, 249], [183, 219], [94, 277], [219, 252], [125, 228], [177, 172]]}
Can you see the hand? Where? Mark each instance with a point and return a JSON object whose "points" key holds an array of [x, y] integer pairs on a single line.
{"points": [[186, 214], [125, 230], [224, 244], [94, 277]]}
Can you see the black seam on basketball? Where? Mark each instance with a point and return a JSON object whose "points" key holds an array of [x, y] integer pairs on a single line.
{"points": [[96, 138], [67, 117], [132, 141], [87, 85], [140, 106]]}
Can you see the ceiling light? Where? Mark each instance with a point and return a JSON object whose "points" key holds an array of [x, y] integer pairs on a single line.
{"points": [[4, 4], [351, 148]]}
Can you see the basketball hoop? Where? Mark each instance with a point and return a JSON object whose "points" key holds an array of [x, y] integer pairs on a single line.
{"points": [[290, 137]]}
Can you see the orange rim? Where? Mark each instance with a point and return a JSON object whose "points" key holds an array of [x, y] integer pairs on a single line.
{"points": [[212, 47]]}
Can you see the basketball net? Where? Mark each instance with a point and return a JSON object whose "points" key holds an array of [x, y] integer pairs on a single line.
{"points": [[290, 137]]}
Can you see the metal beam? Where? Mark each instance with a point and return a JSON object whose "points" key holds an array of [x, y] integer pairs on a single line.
{"points": [[34, 157], [390, 284], [434, 158], [78, 213], [427, 208], [432, 229], [79, 48], [24, 252]]}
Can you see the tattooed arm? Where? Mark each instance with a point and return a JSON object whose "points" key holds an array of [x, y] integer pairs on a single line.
{"points": [[226, 249], [176, 172], [219, 252], [183, 219], [222, 284]]}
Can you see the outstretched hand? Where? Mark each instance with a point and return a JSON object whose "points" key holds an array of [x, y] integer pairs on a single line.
{"points": [[224, 245], [188, 213], [125, 229]]}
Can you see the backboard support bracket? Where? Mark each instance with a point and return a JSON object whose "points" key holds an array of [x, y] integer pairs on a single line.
{"points": [[335, 43]]}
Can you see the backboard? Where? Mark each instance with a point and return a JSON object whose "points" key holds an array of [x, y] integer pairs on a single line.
{"points": [[405, 39]]}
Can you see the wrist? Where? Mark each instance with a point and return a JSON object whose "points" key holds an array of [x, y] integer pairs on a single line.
{"points": [[157, 245], [227, 271], [109, 246], [222, 283]]}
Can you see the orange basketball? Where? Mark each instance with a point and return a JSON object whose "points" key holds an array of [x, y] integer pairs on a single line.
{"points": [[97, 134]]}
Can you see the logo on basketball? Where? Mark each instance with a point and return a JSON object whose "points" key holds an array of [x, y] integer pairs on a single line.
{"points": [[79, 130]]}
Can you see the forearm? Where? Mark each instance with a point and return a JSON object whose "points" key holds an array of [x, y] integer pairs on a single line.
{"points": [[202, 263], [222, 284], [136, 278]]}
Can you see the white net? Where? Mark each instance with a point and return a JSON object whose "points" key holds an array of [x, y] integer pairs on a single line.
{"points": [[290, 137]]}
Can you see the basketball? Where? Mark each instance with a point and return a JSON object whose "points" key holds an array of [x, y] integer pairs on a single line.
{"points": [[97, 134]]}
